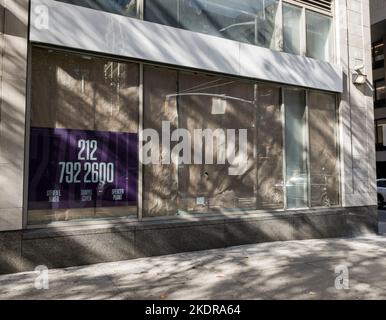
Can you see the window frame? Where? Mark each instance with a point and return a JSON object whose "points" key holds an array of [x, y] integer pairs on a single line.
{"points": [[377, 63], [376, 100], [331, 36], [139, 216], [378, 144], [304, 7]]}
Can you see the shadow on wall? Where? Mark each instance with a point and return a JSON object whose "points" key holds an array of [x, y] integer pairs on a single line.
{"points": [[142, 40], [13, 26], [12, 110]]}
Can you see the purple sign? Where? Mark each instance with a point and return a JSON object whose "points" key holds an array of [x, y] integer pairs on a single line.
{"points": [[82, 169]]}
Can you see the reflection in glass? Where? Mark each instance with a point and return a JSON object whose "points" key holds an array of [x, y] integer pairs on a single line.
{"points": [[121, 7], [194, 102], [378, 52], [220, 105], [324, 178], [160, 104], [81, 103], [269, 148], [250, 21], [292, 28], [380, 132], [319, 36], [162, 11], [379, 88], [296, 149]]}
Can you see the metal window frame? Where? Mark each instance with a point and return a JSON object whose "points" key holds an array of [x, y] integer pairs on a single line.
{"points": [[141, 65], [27, 138], [279, 19], [88, 221], [313, 8], [308, 148], [140, 145], [375, 88]]}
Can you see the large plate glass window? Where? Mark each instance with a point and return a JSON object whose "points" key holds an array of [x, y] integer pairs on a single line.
{"points": [[324, 164], [234, 155], [269, 148], [122, 7], [83, 159], [250, 21], [378, 54], [296, 143]]}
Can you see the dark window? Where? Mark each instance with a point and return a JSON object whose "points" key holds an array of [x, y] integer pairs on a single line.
{"points": [[380, 127], [381, 184], [378, 52], [379, 89]]}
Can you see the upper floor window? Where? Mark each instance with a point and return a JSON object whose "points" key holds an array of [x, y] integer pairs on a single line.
{"points": [[250, 21], [380, 131], [379, 88], [378, 54], [272, 24], [294, 27], [319, 36], [121, 7]]}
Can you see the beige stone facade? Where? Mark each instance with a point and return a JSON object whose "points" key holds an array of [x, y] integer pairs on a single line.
{"points": [[13, 75], [72, 102]]}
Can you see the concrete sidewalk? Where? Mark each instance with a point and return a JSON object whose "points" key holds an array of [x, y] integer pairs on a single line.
{"points": [[279, 270]]}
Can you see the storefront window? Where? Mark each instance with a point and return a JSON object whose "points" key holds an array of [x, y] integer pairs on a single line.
{"points": [[319, 36], [209, 114], [121, 7], [324, 177], [296, 149], [292, 28], [210, 143], [83, 137], [269, 148], [160, 187], [218, 113], [250, 21]]}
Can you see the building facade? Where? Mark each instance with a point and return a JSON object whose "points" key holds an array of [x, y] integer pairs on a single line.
{"points": [[378, 38], [133, 128]]}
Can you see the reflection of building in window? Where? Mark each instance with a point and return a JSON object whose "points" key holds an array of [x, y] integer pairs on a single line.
{"points": [[380, 127], [112, 77], [319, 36], [378, 52], [292, 28], [379, 88], [122, 7], [246, 21]]}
